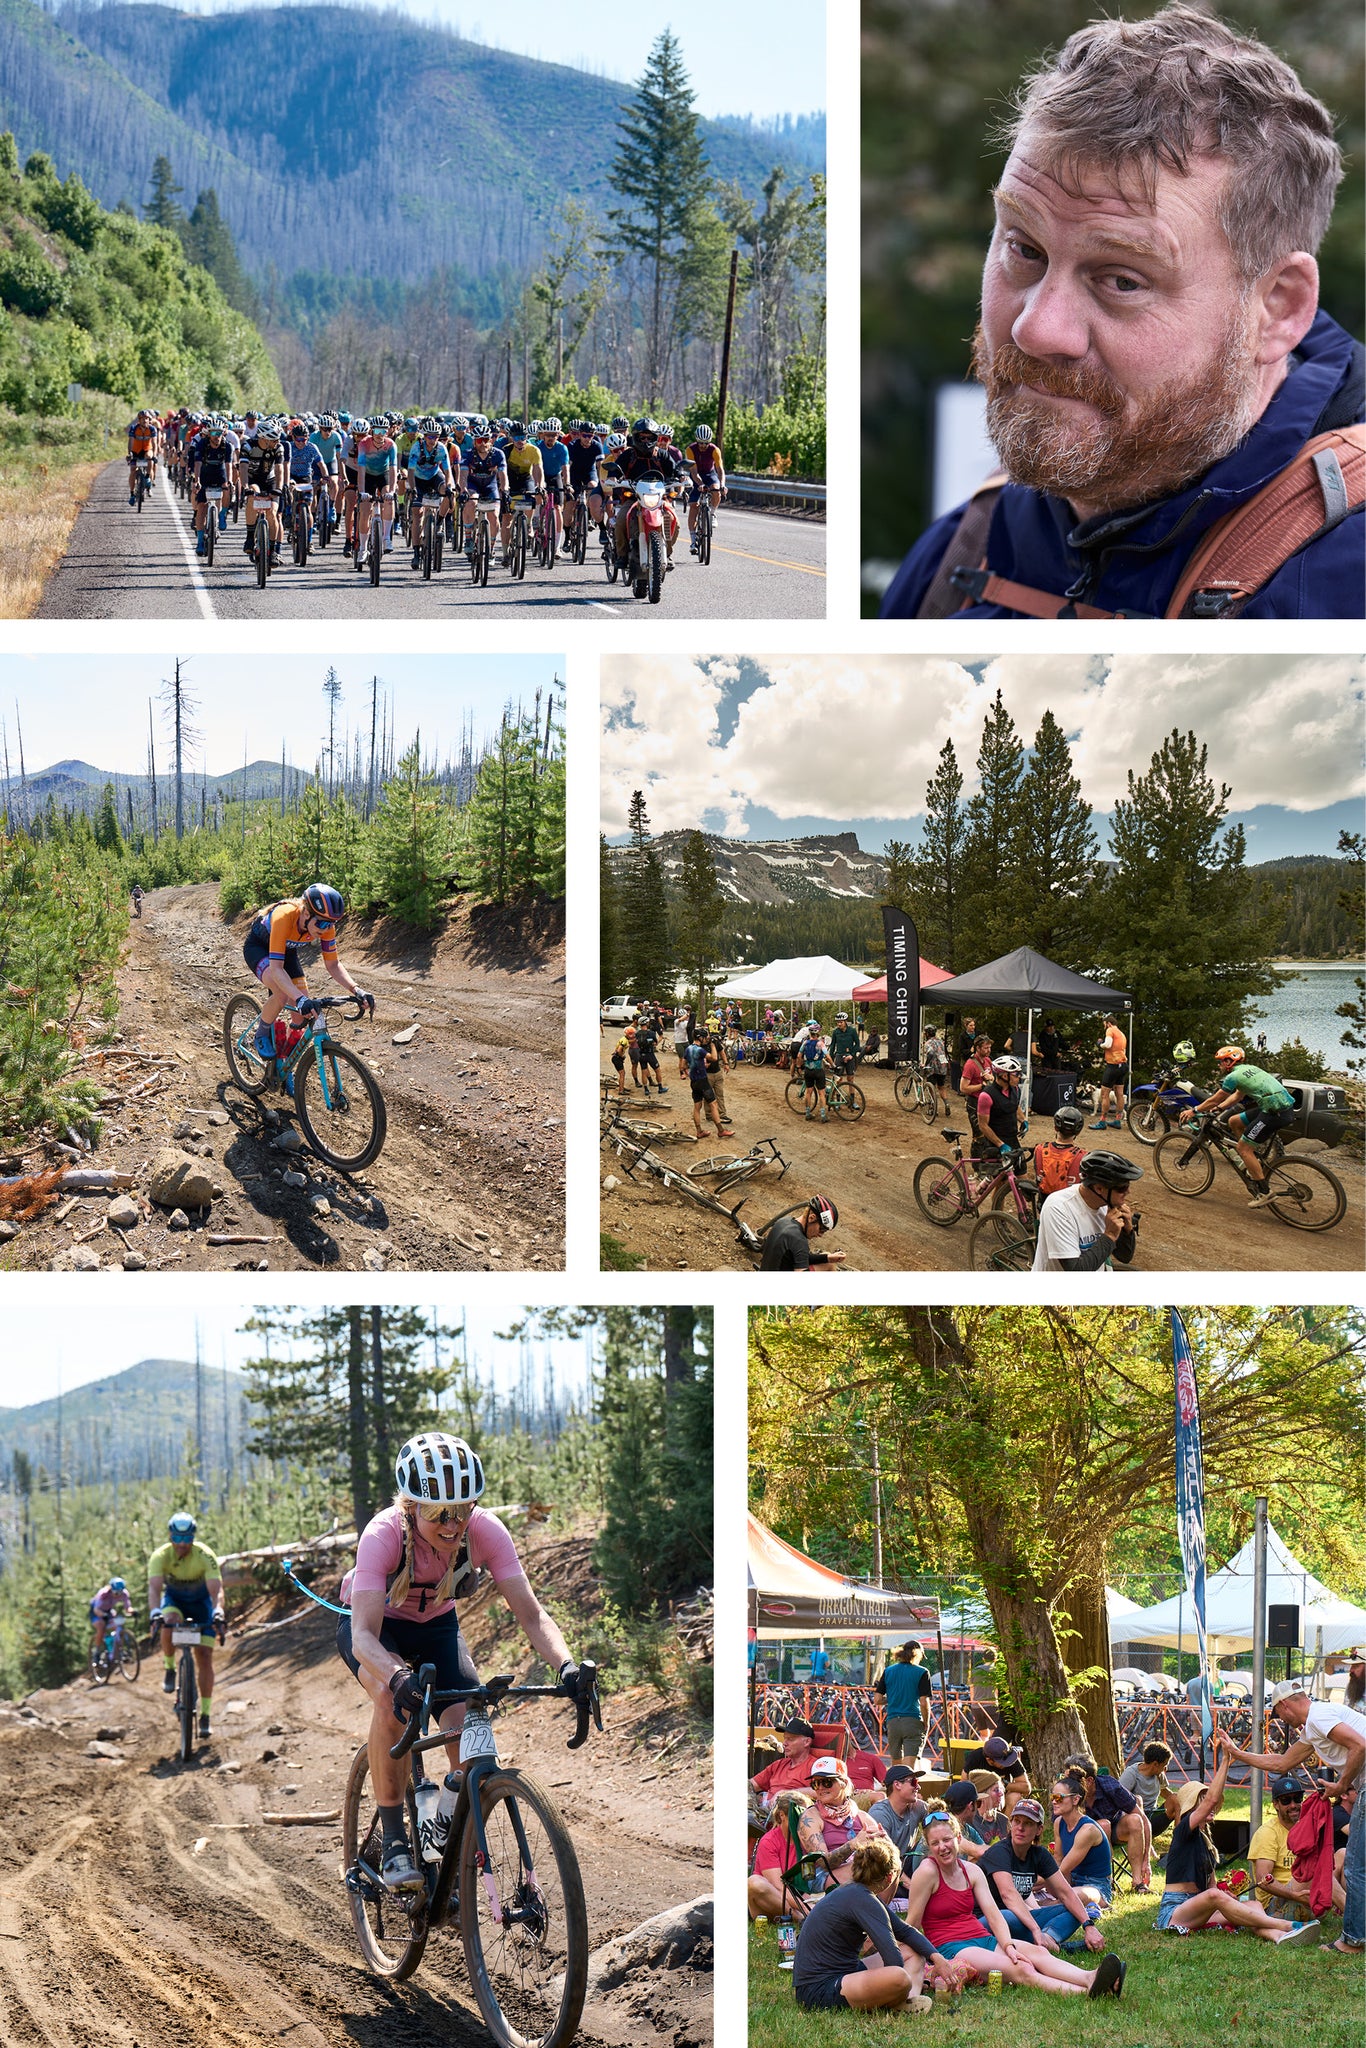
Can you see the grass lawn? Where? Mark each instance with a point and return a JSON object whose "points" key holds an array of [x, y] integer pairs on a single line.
{"points": [[1201, 1992]]}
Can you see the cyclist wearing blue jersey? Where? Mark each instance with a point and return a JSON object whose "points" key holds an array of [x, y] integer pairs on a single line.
{"points": [[329, 441], [304, 464], [429, 481], [484, 486], [555, 470]]}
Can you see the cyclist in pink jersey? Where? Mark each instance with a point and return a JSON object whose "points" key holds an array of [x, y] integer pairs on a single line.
{"points": [[415, 1560]]}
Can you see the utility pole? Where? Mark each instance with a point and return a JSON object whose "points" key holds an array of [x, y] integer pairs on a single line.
{"points": [[507, 398], [877, 1513], [724, 385]]}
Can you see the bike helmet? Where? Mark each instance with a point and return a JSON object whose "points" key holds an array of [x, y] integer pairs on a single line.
{"points": [[344, 419], [813, 1024], [327, 424], [824, 1210], [621, 425], [702, 434], [326, 903], [482, 431], [841, 1016], [360, 428], [118, 1585], [1069, 1121], [181, 1528], [552, 425], [410, 425], [266, 436], [437, 1467], [615, 443], [430, 428], [1108, 1170], [1234, 1054], [517, 430], [1007, 1065], [1183, 1052]]}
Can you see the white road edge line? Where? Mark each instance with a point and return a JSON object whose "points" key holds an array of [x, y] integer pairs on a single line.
{"points": [[201, 588]]}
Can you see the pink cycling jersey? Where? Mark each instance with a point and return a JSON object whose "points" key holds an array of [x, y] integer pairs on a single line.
{"points": [[379, 1557], [106, 1600]]}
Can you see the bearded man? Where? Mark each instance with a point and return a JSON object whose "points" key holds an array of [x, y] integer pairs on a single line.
{"points": [[1152, 352]]}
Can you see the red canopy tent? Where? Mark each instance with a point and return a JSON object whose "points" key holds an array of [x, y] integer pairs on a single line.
{"points": [[876, 991]]}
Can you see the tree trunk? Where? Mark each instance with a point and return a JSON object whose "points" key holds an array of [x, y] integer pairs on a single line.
{"points": [[357, 1447], [1089, 1645], [379, 1403], [1037, 1703], [679, 1364]]}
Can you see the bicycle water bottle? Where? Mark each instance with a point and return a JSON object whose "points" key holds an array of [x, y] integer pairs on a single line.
{"points": [[441, 1817], [427, 1796]]}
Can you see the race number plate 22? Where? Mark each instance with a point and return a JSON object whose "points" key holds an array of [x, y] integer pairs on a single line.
{"points": [[476, 1738]]}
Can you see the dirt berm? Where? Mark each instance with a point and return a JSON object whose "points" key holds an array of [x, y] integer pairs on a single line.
{"points": [[471, 1176], [136, 1911]]}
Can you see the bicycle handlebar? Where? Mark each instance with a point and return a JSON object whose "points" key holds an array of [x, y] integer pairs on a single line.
{"points": [[587, 1702], [339, 1003]]}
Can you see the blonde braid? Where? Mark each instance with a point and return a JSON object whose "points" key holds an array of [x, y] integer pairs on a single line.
{"points": [[402, 1585]]}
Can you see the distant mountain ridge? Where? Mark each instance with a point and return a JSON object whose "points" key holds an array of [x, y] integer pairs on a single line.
{"points": [[133, 1424], [772, 871], [314, 171], [76, 785]]}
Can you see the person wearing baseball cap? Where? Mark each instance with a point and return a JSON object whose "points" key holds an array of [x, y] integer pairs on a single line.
{"points": [[996, 1754], [1039, 1902], [834, 1824], [1192, 1901], [1337, 1736], [901, 1809], [905, 1686], [792, 1770], [1356, 1679], [1271, 1861]]}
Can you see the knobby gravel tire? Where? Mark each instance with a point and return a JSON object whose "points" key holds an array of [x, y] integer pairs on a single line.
{"points": [[308, 1098]]}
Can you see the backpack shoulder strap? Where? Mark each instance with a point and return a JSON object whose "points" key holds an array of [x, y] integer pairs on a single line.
{"points": [[1315, 491], [966, 549]]}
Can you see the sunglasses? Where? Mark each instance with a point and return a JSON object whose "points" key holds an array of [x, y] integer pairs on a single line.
{"points": [[443, 1515]]}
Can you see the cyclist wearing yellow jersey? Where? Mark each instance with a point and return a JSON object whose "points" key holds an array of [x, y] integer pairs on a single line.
{"points": [[185, 1581], [271, 951], [525, 475]]}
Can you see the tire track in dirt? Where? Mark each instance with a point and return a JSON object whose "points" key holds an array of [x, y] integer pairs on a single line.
{"points": [[471, 1177]]}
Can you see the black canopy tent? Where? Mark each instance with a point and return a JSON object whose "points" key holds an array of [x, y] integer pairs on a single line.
{"points": [[1025, 980]]}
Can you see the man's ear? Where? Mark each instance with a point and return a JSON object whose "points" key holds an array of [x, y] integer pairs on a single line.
{"points": [[1288, 300]]}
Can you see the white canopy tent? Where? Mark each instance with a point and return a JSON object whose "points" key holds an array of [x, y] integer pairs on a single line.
{"points": [[815, 979], [1228, 1608]]}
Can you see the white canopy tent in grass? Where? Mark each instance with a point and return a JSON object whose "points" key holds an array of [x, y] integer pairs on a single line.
{"points": [[815, 979], [1228, 1608]]}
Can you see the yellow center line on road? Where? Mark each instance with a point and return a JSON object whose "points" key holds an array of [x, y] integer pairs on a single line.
{"points": [[800, 567]]}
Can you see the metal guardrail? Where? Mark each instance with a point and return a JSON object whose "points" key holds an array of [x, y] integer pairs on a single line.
{"points": [[777, 490]]}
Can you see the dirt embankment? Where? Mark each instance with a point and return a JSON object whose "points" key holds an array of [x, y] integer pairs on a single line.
{"points": [[867, 1170], [471, 1176], [146, 1901]]}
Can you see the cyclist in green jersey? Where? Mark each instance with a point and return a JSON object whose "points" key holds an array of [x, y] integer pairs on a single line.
{"points": [[1269, 1109], [185, 1581]]}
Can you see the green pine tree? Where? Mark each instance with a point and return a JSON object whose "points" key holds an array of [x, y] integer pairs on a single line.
{"points": [[108, 837], [699, 916], [54, 1648], [939, 864], [660, 173], [161, 209], [208, 242], [1352, 900], [1181, 923], [1055, 853], [646, 954], [609, 923], [409, 862], [991, 922]]}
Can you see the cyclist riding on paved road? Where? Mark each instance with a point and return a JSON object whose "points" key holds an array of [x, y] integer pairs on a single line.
{"points": [[414, 1561], [185, 1581], [1269, 1109], [271, 951], [112, 1598], [142, 447]]}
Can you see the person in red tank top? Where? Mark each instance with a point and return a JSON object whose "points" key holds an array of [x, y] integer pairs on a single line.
{"points": [[952, 1904]]}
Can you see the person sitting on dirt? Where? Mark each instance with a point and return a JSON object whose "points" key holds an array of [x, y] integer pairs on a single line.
{"points": [[792, 1770], [1083, 1228], [828, 1974], [1266, 1109], [431, 1547], [1057, 1164], [775, 1856], [647, 1038], [271, 951], [703, 1093], [623, 1050], [185, 1585], [788, 1242], [111, 1599]]}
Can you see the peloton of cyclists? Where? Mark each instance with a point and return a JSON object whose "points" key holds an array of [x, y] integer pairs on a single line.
{"points": [[432, 1547], [271, 951], [185, 1584]]}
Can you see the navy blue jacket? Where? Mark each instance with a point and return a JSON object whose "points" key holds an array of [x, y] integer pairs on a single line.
{"points": [[1132, 561]]}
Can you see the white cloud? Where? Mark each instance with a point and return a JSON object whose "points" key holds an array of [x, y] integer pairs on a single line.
{"points": [[858, 735]]}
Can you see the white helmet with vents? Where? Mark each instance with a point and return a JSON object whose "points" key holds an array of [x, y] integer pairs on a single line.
{"points": [[439, 1468]]}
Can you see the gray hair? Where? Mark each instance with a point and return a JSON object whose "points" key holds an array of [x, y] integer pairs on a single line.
{"points": [[1141, 96]]}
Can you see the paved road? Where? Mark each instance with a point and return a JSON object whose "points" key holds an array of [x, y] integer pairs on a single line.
{"points": [[126, 565]]}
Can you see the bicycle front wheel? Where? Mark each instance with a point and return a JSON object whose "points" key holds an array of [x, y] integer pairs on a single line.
{"points": [[391, 1928], [848, 1102], [99, 1666], [704, 532], [522, 1918], [130, 1658], [1000, 1244], [245, 1064], [1183, 1163], [1306, 1195], [938, 1190], [795, 1095], [340, 1108], [187, 1699]]}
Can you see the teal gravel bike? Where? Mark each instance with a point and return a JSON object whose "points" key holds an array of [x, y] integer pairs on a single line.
{"points": [[336, 1097]]}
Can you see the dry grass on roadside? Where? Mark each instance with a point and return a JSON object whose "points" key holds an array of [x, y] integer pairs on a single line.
{"points": [[38, 507]]}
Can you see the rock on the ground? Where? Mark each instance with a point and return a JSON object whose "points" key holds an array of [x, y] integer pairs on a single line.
{"points": [[610, 1181], [288, 1141], [187, 1128], [320, 1206], [177, 1220], [406, 1037], [178, 1182], [84, 1259], [134, 1262], [124, 1213], [110, 1734], [372, 1260], [665, 1941], [8, 1231], [107, 1750], [296, 1180]]}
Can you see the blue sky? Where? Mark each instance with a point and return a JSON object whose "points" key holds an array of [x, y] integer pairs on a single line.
{"points": [[44, 1354], [779, 746], [73, 708], [764, 58]]}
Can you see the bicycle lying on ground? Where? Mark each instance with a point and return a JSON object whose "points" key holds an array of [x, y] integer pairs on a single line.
{"points": [[507, 1875], [1304, 1194], [337, 1098], [118, 1652]]}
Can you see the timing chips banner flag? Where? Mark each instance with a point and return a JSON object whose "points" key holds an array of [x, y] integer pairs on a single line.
{"points": [[1190, 1500], [903, 983]]}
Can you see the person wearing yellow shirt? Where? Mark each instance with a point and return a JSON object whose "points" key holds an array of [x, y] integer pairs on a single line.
{"points": [[185, 1582], [1273, 1864]]}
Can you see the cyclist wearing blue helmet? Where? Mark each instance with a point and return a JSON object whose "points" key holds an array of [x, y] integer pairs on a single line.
{"points": [[111, 1599], [188, 1579], [271, 951]]}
